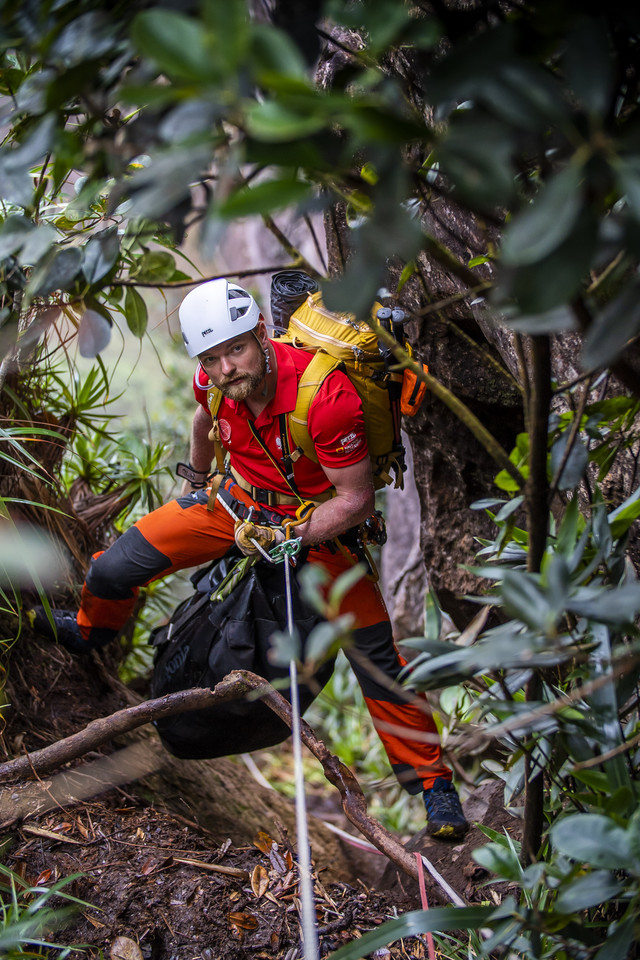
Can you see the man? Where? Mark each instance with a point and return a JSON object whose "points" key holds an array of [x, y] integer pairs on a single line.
{"points": [[258, 378]]}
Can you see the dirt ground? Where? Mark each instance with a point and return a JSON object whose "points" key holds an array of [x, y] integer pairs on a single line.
{"points": [[171, 888]]}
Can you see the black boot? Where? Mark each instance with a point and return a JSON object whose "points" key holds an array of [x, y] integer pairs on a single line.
{"points": [[445, 818], [65, 629]]}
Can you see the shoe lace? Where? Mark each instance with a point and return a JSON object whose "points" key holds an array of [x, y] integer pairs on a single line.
{"points": [[443, 802]]}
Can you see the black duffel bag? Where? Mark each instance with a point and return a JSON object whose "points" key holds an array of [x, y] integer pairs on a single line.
{"points": [[206, 639]]}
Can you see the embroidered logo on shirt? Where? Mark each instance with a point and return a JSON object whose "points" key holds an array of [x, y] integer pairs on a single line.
{"points": [[349, 443], [225, 430], [278, 443]]}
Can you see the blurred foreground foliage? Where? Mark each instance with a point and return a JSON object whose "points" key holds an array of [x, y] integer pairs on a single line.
{"points": [[127, 126]]}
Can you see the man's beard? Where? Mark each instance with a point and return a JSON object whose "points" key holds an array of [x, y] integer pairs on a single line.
{"points": [[248, 385]]}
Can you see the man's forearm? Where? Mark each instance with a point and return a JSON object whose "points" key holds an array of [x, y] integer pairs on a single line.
{"points": [[201, 448], [334, 517]]}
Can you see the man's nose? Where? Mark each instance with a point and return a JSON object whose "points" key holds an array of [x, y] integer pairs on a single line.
{"points": [[227, 366]]}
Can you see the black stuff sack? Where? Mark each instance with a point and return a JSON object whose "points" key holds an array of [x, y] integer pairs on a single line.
{"points": [[206, 639]]}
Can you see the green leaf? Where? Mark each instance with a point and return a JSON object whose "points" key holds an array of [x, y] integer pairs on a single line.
{"points": [[623, 516], [135, 310], [272, 122], [432, 616], [175, 42], [568, 530], [554, 280], [595, 779], [499, 860], [265, 197], [274, 51], [476, 157], [325, 638], [94, 333], [539, 229], [589, 64], [612, 328], [594, 839], [17, 161], [414, 924], [620, 937], [56, 272], [154, 266], [166, 182], [38, 244], [187, 120], [284, 647], [580, 893], [99, 254], [510, 507], [549, 322], [617, 606], [523, 599], [408, 271], [576, 463], [628, 175], [14, 232]]}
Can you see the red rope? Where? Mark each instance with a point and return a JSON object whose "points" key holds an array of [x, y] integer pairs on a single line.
{"points": [[425, 903]]}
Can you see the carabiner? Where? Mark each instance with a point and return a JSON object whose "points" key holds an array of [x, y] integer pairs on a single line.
{"points": [[304, 511], [286, 550]]}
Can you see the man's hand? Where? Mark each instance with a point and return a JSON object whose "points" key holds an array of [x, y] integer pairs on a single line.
{"points": [[247, 534]]}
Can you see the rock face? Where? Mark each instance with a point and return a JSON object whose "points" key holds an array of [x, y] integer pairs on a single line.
{"points": [[403, 575]]}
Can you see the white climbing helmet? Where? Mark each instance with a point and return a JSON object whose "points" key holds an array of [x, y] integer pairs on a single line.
{"points": [[214, 312]]}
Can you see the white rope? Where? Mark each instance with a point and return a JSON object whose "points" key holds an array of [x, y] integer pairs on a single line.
{"points": [[308, 918]]}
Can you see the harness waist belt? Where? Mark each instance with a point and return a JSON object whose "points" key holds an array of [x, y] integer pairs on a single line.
{"points": [[272, 498]]}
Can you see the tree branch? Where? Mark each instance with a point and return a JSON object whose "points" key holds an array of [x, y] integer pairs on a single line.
{"points": [[301, 263], [537, 504], [233, 686], [169, 285], [457, 407]]}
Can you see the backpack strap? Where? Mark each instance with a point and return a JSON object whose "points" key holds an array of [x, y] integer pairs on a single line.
{"points": [[310, 382], [214, 399]]}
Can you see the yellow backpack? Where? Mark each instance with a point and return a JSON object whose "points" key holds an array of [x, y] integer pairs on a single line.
{"points": [[339, 341]]}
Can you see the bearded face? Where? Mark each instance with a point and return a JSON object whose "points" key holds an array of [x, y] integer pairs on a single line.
{"points": [[237, 368]]}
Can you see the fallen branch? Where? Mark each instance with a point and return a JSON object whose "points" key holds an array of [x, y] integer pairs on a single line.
{"points": [[233, 686]]}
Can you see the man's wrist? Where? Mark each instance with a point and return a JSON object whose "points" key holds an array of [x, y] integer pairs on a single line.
{"points": [[197, 478]]}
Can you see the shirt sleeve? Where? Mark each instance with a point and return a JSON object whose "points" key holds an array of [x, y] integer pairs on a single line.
{"points": [[200, 384], [336, 422]]}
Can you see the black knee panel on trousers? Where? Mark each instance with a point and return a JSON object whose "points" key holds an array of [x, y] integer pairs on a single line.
{"points": [[129, 562], [374, 645]]}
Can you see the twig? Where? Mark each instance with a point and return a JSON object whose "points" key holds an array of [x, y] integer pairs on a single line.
{"points": [[480, 737], [601, 758], [168, 285], [233, 686], [294, 253]]}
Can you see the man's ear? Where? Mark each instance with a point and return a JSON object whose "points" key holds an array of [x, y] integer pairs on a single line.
{"points": [[261, 332]]}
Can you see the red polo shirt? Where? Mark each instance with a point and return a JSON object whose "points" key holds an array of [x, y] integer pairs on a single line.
{"points": [[335, 424]]}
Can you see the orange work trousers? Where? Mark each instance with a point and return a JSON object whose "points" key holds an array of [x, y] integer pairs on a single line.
{"points": [[184, 533]]}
